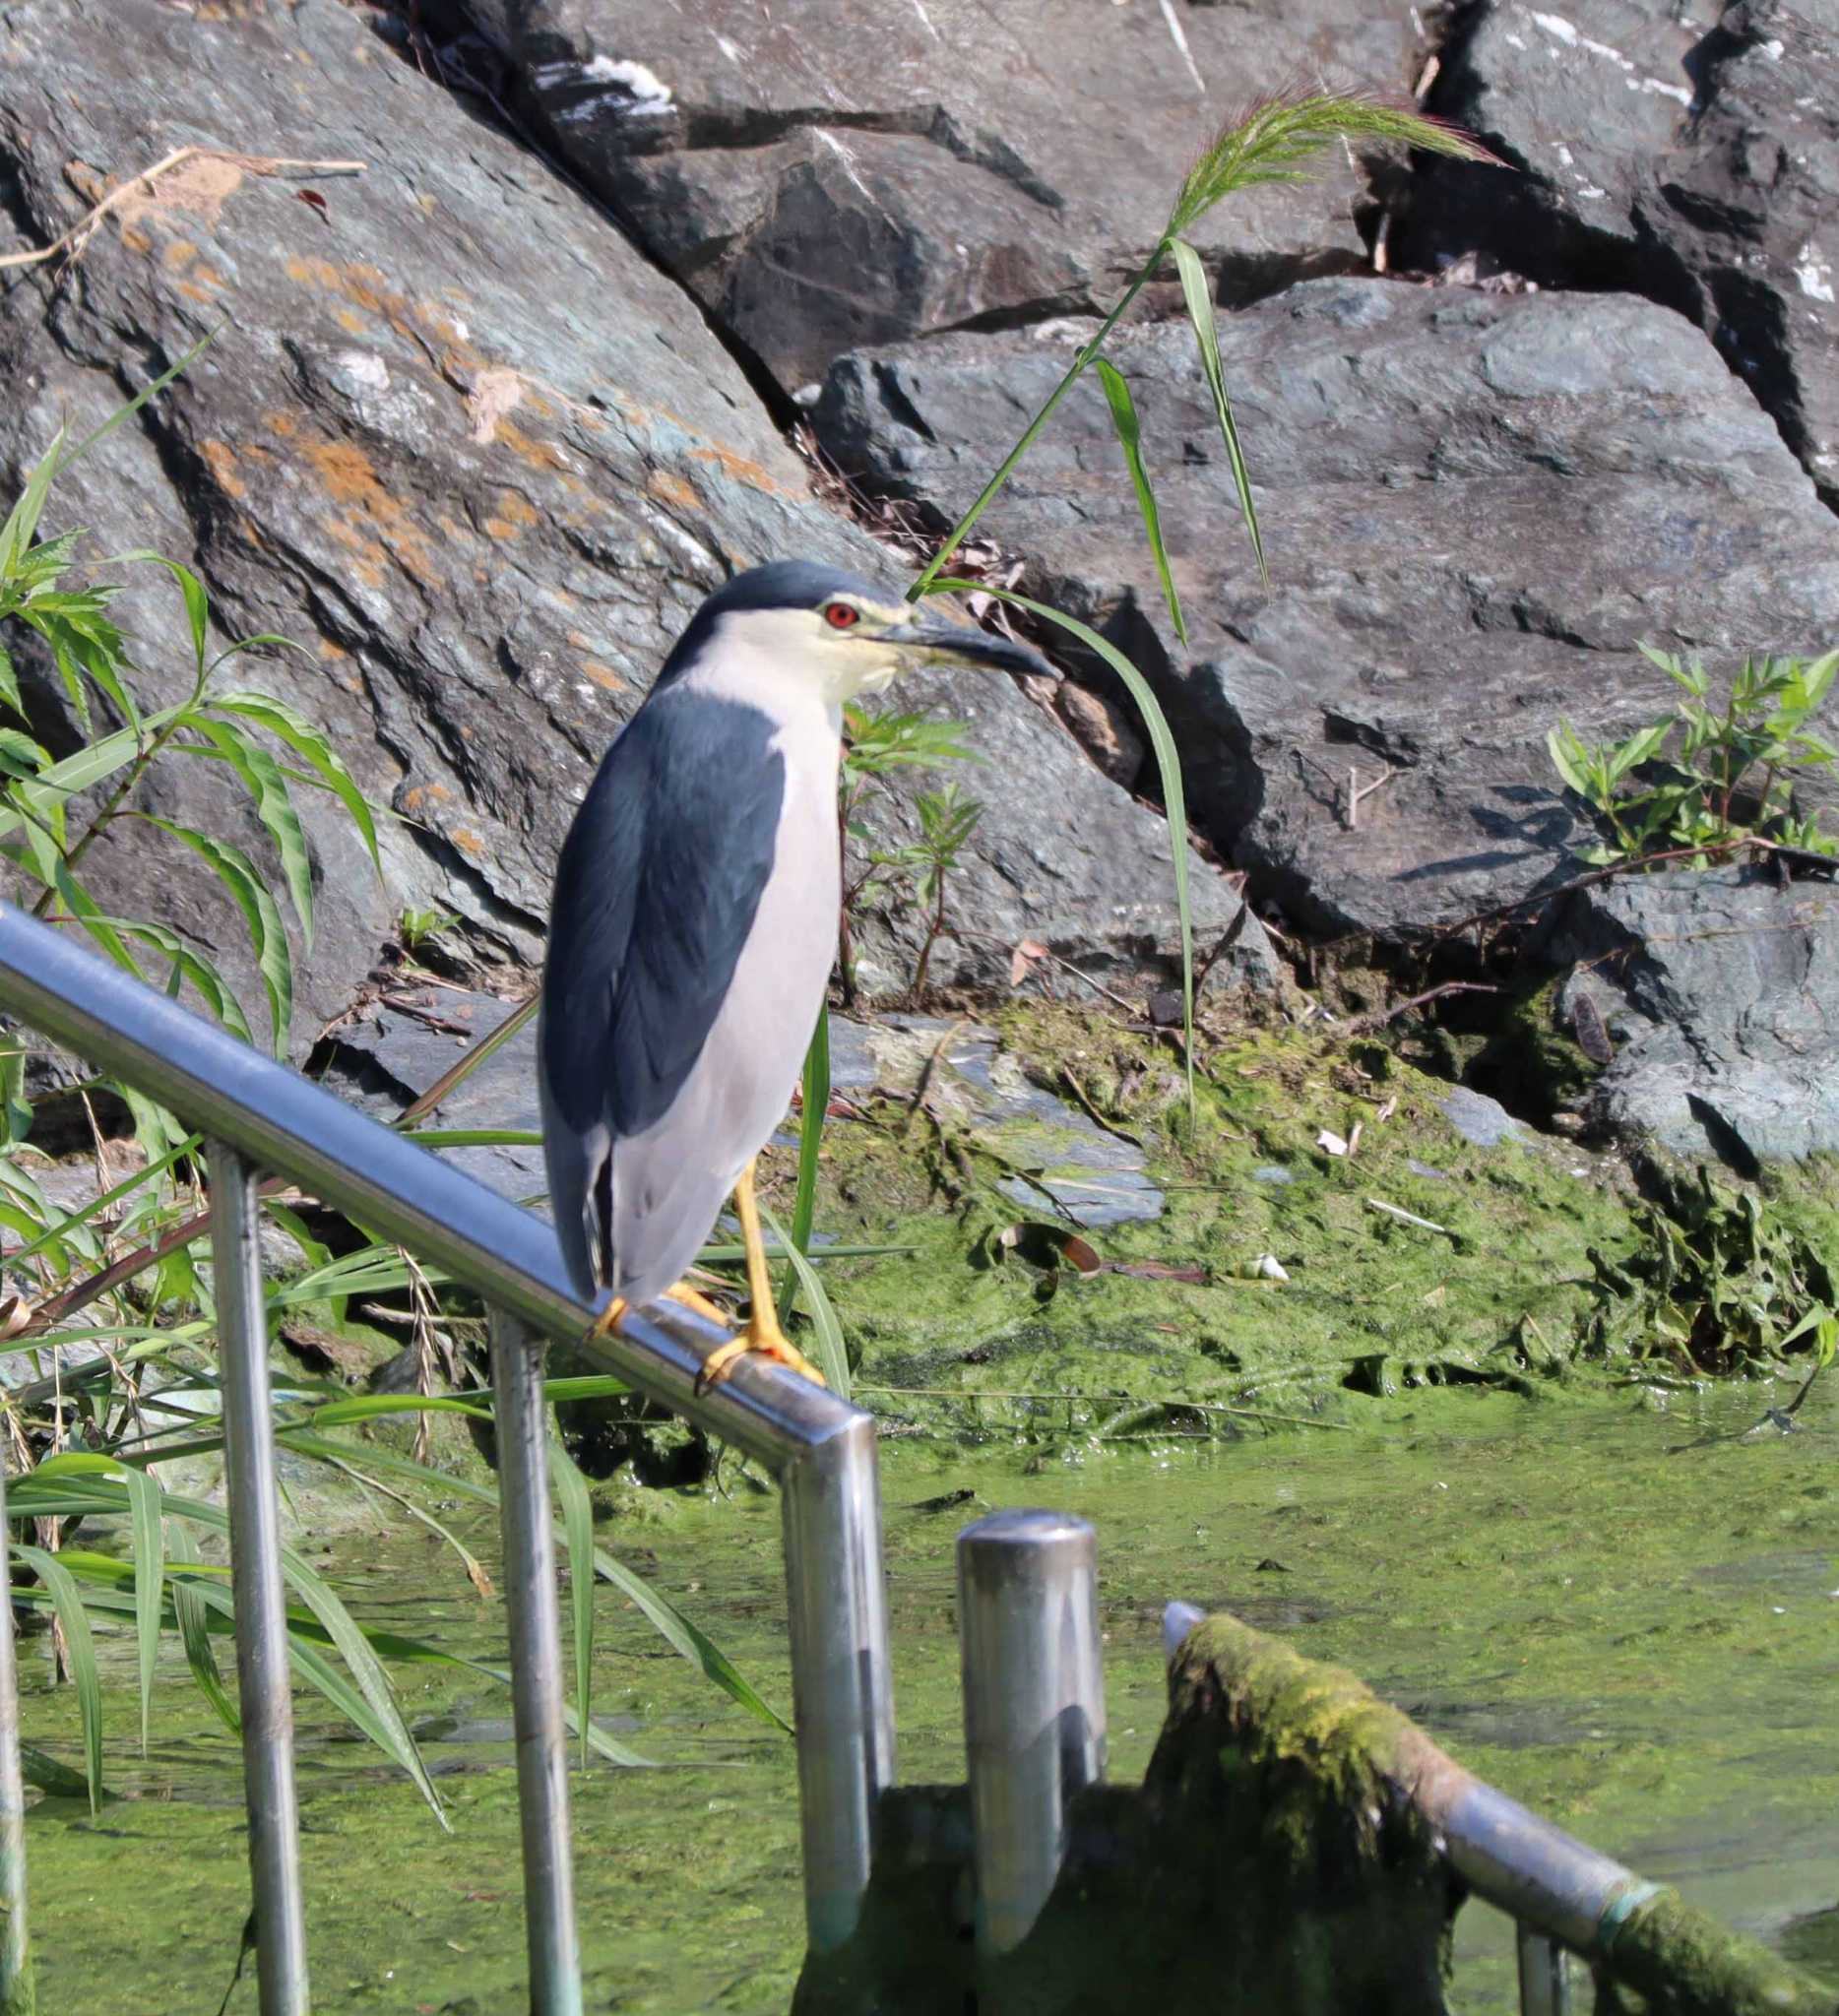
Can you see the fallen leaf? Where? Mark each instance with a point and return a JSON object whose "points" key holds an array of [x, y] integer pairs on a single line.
{"points": [[315, 201], [1353, 1139], [1593, 1036], [1080, 1256], [1386, 1111], [1023, 960], [1331, 1141]]}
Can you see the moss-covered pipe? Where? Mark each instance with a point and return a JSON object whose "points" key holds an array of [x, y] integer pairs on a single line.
{"points": [[1274, 1704]]}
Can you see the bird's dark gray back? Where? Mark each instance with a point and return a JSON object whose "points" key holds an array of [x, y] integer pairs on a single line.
{"points": [[656, 892]]}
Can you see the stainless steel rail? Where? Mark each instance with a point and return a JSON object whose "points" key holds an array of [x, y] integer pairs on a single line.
{"points": [[821, 1448], [257, 1590]]}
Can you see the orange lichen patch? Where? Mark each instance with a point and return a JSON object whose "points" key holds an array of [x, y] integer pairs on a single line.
{"points": [[312, 271], [539, 454], [221, 464], [468, 842], [280, 423], [673, 489], [742, 470], [373, 516], [203, 185], [602, 675], [451, 527], [350, 319], [178, 255], [580, 639], [332, 653], [419, 798], [136, 239], [514, 516]]}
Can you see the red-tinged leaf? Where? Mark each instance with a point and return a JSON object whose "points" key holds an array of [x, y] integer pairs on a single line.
{"points": [[1158, 1270], [317, 201], [1080, 1256], [1023, 960]]}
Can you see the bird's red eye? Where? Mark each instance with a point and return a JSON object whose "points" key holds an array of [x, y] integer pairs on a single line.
{"points": [[842, 615]]}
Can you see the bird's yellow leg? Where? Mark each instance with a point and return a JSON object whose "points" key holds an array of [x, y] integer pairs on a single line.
{"points": [[762, 1333], [610, 1317]]}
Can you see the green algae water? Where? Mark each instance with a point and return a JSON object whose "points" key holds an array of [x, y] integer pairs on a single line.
{"points": [[1624, 1614]]}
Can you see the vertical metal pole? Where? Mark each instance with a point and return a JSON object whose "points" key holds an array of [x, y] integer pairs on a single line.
{"points": [[1544, 1974], [843, 1696], [256, 1585], [1033, 1705], [536, 1668], [15, 1982]]}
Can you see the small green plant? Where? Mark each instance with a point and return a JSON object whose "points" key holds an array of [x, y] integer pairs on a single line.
{"points": [[1706, 778], [1715, 1285], [877, 742], [947, 820], [419, 926]]}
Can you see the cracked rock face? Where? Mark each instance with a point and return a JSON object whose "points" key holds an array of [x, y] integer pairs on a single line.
{"points": [[465, 446], [1720, 992], [1669, 150], [1475, 507], [824, 174]]}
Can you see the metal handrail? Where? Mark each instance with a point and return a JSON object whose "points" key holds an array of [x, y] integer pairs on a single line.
{"points": [[821, 1448]]}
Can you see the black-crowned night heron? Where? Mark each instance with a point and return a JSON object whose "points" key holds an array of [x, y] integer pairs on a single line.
{"points": [[694, 925]]}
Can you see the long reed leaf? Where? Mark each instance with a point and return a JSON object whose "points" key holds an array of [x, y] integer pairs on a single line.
{"points": [[67, 1603], [1129, 434], [813, 1108], [571, 1491], [1198, 292], [1168, 766], [832, 1358]]}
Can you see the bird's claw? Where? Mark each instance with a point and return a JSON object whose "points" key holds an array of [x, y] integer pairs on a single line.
{"points": [[768, 1342]]}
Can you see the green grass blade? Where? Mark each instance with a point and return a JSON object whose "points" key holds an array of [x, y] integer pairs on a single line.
{"points": [[832, 1358], [1168, 766], [82, 1215], [928, 577], [22, 520], [811, 1116], [139, 399], [67, 1602], [1129, 433], [1197, 292], [571, 1489], [150, 1575], [192, 1616]]}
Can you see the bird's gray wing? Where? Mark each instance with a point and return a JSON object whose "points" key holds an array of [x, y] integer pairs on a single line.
{"points": [[657, 889]]}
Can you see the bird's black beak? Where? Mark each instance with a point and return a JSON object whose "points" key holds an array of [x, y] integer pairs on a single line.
{"points": [[940, 641]]}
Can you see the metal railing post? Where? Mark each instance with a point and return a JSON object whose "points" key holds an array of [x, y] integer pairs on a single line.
{"points": [[843, 1694], [16, 1982], [1033, 1705], [261, 1602], [1544, 1974], [521, 1420]]}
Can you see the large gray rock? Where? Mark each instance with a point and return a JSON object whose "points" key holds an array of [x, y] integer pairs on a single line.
{"points": [[1690, 154], [459, 440], [824, 174], [1718, 990], [1475, 505]]}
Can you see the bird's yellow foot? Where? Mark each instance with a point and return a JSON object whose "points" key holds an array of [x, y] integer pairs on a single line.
{"points": [[762, 1335]]}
